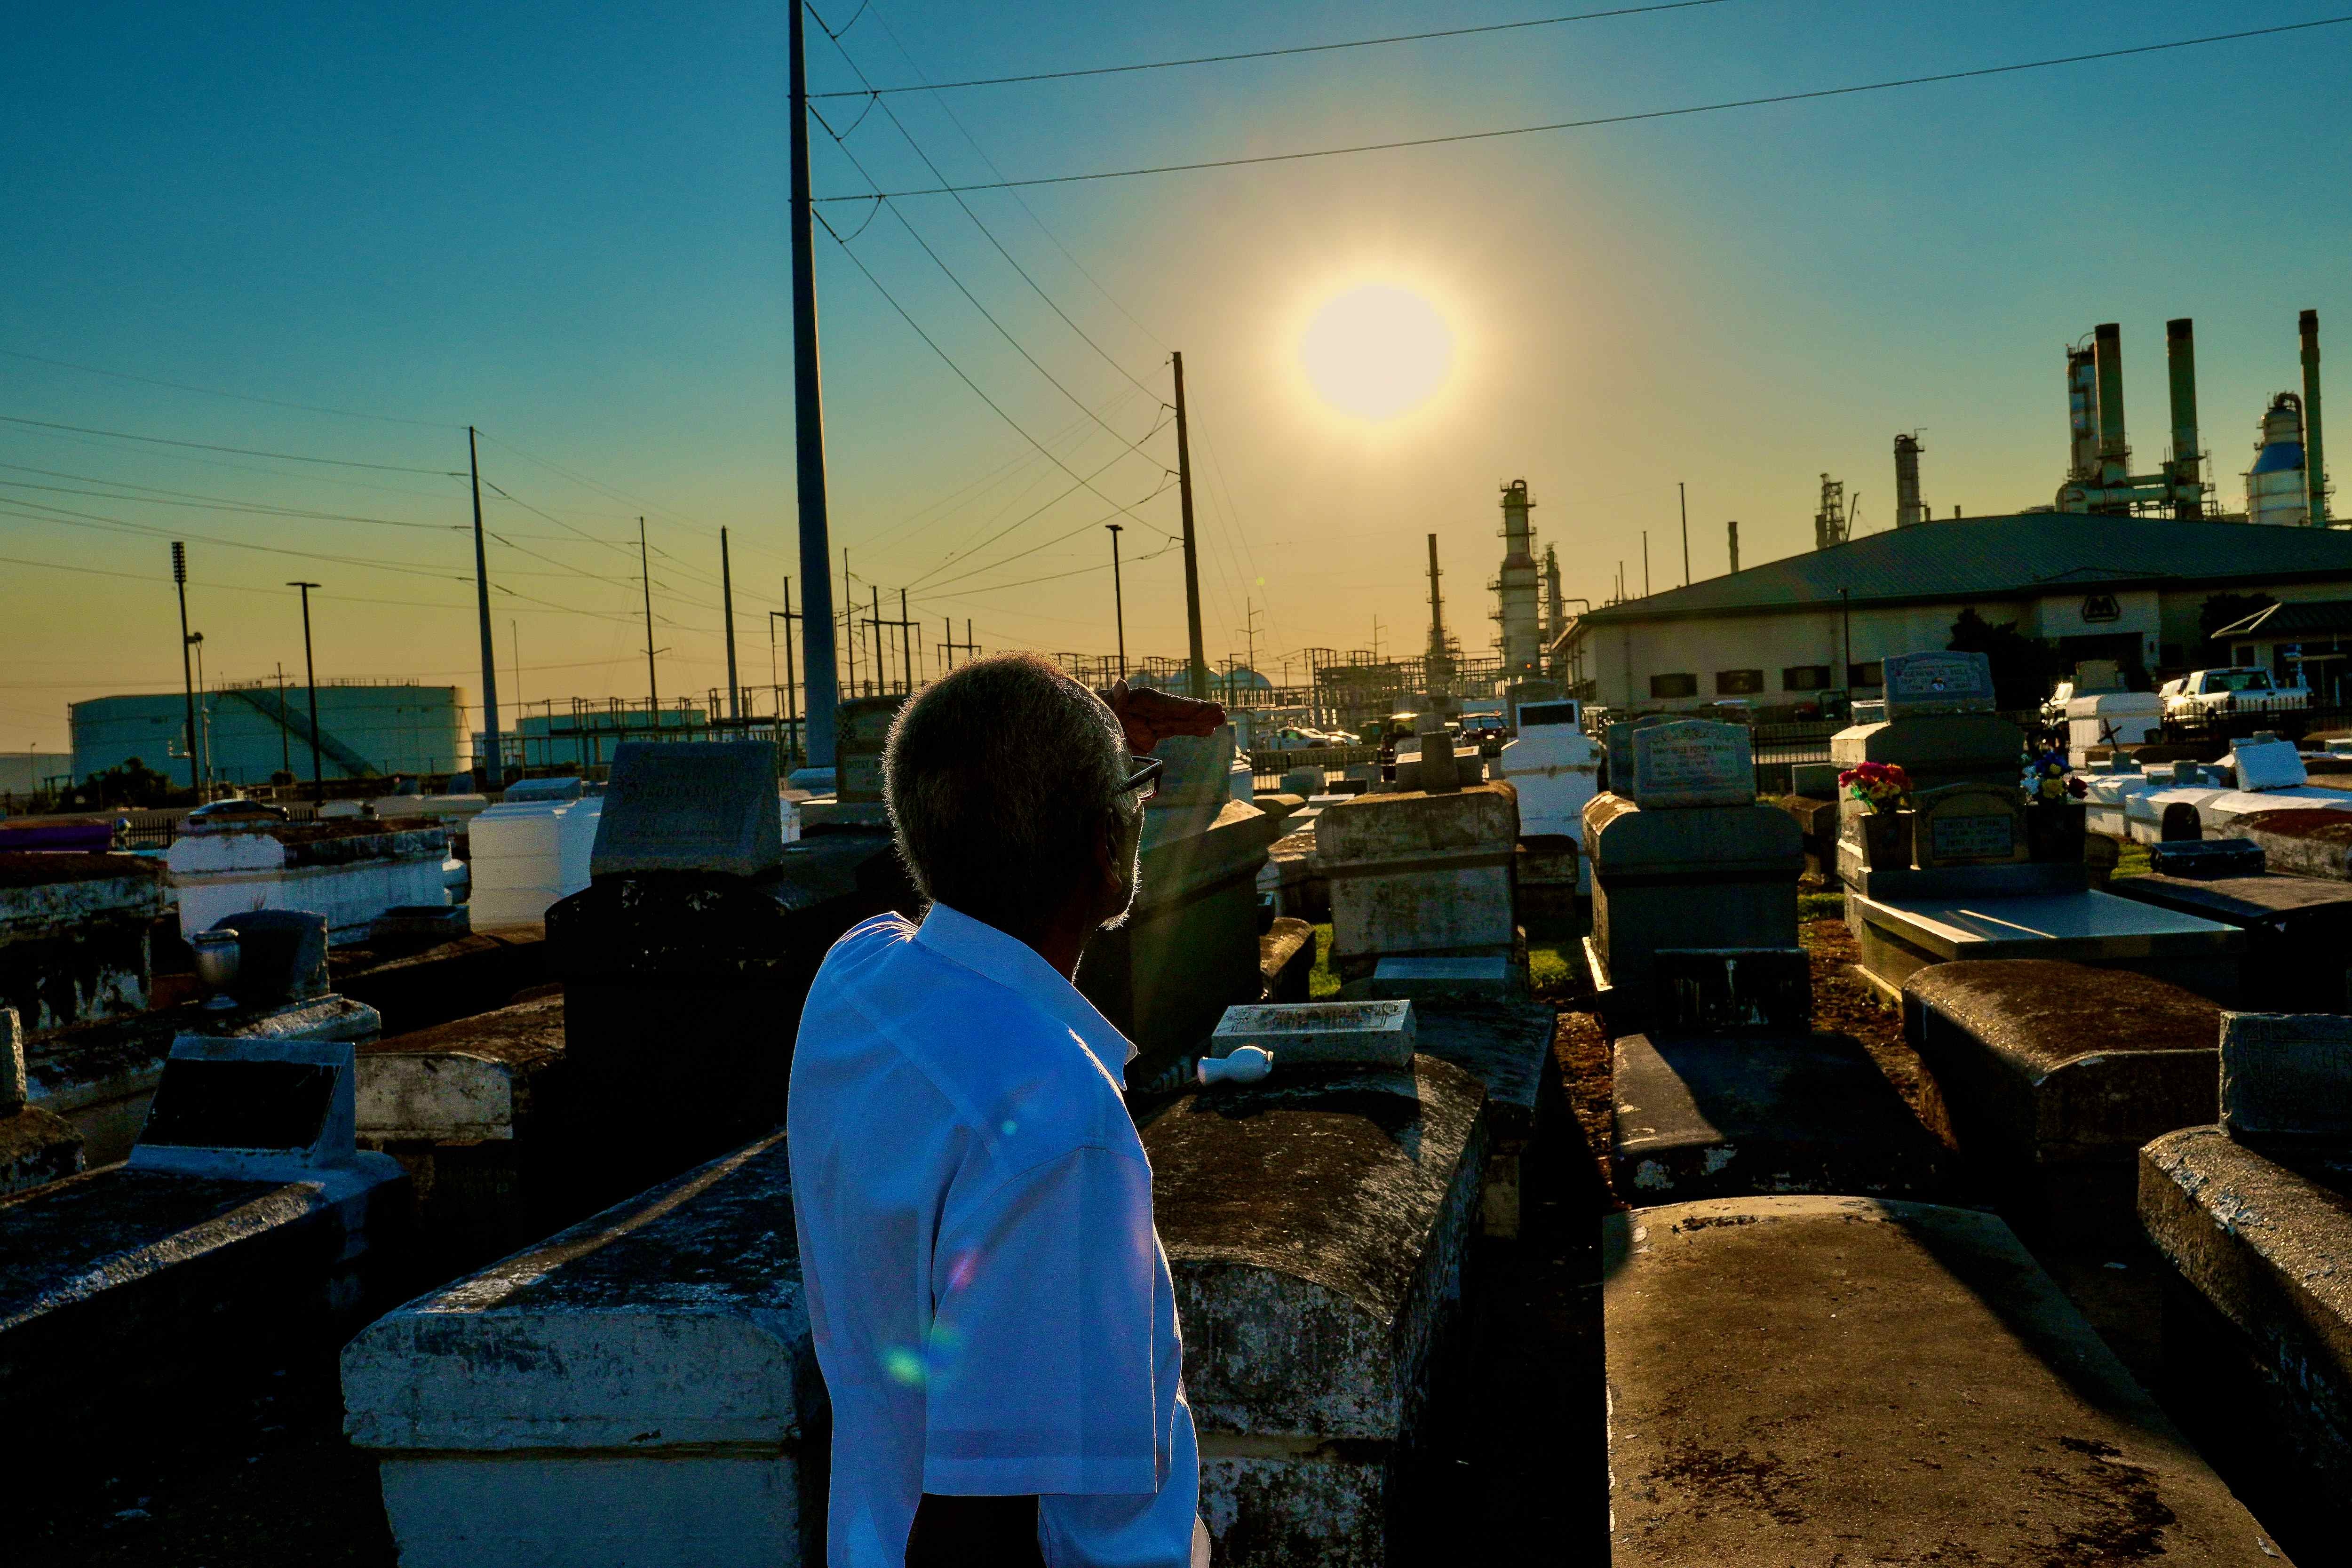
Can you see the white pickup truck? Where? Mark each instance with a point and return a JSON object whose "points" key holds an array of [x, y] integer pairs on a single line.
{"points": [[2240, 697]]}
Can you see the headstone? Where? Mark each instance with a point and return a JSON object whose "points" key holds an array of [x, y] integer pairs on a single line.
{"points": [[691, 806], [862, 728], [1303, 782], [2273, 764], [1920, 683], [251, 1109], [2286, 1082], [2181, 824], [1968, 824], [1321, 1034], [1690, 762], [1427, 980], [1685, 876], [281, 955], [1815, 780], [1421, 876]]}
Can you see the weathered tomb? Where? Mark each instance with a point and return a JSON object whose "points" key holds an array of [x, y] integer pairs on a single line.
{"points": [[1684, 857], [2049, 1076], [245, 1226], [75, 936], [1841, 1379], [351, 871], [685, 961], [36, 1145], [2298, 952], [2300, 841], [2105, 720], [1188, 947], [1415, 875], [417, 987], [1556, 768], [641, 1388], [2254, 1217], [1937, 723], [1286, 960], [1316, 1231]]}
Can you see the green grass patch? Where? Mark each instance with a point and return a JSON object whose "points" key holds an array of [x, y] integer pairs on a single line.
{"points": [[1821, 906], [2132, 861], [1320, 981]]}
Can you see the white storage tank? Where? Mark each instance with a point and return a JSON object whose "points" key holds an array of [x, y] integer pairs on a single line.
{"points": [[530, 850]]}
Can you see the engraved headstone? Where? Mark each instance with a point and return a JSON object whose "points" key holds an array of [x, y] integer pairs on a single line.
{"points": [[2274, 764], [1968, 824], [2286, 1080], [1322, 1033], [1937, 683], [1690, 762], [691, 806], [232, 1105]]}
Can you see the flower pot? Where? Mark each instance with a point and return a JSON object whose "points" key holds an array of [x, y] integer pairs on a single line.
{"points": [[1886, 840], [2054, 829]]}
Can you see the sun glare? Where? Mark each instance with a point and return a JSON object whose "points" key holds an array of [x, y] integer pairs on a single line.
{"points": [[1377, 351]]}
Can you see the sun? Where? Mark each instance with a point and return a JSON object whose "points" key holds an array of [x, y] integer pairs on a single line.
{"points": [[1377, 351]]}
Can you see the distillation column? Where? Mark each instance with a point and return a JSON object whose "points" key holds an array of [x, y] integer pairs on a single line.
{"points": [[1517, 587]]}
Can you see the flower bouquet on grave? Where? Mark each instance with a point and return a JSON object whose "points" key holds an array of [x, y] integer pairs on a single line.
{"points": [[1884, 790], [2055, 818], [2050, 782]]}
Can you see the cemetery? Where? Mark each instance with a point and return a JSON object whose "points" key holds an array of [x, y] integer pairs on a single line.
{"points": [[1782, 1134]]}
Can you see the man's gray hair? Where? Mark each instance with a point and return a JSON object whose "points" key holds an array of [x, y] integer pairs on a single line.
{"points": [[998, 776]]}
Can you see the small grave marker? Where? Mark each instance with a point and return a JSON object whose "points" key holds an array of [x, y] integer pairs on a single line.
{"points": [[2286, 1080], [2274, 764], [1321, 1033], [237, 1106], [691, 806], [1691, 763], [1937, 683], [1970, 824]]}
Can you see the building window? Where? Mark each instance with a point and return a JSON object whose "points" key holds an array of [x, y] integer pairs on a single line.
{"points": [[1869, 674], [1665, 686], [1738, 682], [1805, 678]]}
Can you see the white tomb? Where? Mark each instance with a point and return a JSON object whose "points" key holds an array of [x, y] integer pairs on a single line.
{"points": [[349, 872], [2111, 718], [1555, 766], [529, 853]]}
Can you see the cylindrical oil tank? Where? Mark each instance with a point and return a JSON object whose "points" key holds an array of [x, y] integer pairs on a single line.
{"points": [[2274, 486]]}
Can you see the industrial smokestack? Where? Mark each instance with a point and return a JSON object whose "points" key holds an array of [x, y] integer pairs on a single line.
{"points": [[2180, 363], [2314, 468], [1733, 527], [1908, 509], [2081, 414], [1522, 636], [2115, 456]]}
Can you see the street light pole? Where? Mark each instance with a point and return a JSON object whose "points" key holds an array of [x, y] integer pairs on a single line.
{"points": [[1117, 605], [310, 673], [187, 671]]}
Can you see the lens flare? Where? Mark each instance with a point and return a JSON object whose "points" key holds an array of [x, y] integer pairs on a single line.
{"points": [[1377, 351]]}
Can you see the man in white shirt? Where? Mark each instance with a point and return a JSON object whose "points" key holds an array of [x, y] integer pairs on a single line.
{"points": [[992, 1311]]}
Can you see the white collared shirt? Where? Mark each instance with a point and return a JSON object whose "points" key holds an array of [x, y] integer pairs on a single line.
{"points": [[992, 1308]]}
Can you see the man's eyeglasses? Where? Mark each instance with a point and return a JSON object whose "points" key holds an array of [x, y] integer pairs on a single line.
{"points": [[1146, 778]]}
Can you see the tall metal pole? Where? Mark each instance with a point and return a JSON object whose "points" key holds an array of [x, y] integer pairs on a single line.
{"points": [[494, 772], [1117, 602], [1684, 501], [310, 676], [848, 635], [727, 599], [285, 756], [1200, 670], [906, 641], [808, 428], [187, 671], [646, 576]]}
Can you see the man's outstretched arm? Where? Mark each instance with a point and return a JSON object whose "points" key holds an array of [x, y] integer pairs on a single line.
{"points": [[974, 1532]]}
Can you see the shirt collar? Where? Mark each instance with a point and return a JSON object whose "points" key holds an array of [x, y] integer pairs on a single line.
{"points": [[1012, 963]]}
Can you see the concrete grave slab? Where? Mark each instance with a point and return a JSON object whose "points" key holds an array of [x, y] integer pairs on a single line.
{"points": [[2273, 764], [1317, 1232], [709, 807], [641, 1388], [1899, 937], [1690, 763], [1709, 1117], [1919, 683], [2259, 1316], [1506, 1047], [1321, 1034], [1820, 1380], [2049, 1076], [1445, 980], [2298, 953], [2287, 1083], [2300, 841], [2207, 859]]}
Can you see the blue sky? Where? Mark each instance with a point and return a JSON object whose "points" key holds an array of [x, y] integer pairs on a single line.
{"points": [[566, 225]]}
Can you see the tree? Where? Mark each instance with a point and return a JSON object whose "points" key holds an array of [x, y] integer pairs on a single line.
{"points": [[2023, 668], [131, 782], [2227, 609]]}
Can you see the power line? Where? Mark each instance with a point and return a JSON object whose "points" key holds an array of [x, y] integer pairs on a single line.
{"points": [[217, 392], [1273, 54], [944, 189], [159, 495], [240, 451]]}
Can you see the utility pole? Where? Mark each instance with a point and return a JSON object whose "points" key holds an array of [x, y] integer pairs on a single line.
{"points": [[494, 772], [310, 674], [285, 756], [1118, 603], [788, 615], [727, 599], [808, 428], [1200, 672], [875, 620], [646, 576], [965, 646], [1685, 500], [907, 642], [1645, 563], [1249, 632], [848, 636], [187, 671]]}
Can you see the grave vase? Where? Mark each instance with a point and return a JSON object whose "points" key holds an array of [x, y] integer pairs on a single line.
{"points": [[2054, 829], [1886, 840]]}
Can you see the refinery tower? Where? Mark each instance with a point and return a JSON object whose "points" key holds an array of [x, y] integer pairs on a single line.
{"points": [[1518, 589]]}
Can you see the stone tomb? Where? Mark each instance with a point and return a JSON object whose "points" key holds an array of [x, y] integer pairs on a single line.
{"points": [[74, 936], [1685, 858], [1556, 768], [1822, 1380], [705, 807], [2048, 1077], [1421, 876], [2254, 1217], [2300, 841], [1321, 1034], [639, 1389], [1941, 730], [2299, 930], [36, 1145], [1316, 1231], [349, 870], [245, 1226]]}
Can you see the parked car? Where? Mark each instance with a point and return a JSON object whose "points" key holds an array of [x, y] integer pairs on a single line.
{"points": [[234, 813], [2239, 697]]}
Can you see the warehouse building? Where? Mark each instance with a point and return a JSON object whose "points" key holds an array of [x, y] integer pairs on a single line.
{"points": [[245, 734], [1779, 636]]}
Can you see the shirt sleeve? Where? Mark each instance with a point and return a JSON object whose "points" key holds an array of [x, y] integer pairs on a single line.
{"points": [[1038, 1373]]}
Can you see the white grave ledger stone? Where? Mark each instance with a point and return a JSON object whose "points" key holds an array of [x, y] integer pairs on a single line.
{"points": [[1937, 683], [691, 806], [2269, 764], [1692, 762]]}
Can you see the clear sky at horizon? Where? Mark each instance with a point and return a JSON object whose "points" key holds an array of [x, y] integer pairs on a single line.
{"points": [[566, 225]]}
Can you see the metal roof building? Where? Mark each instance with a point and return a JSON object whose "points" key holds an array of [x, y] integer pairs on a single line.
{"points": [[1776, 634]]}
